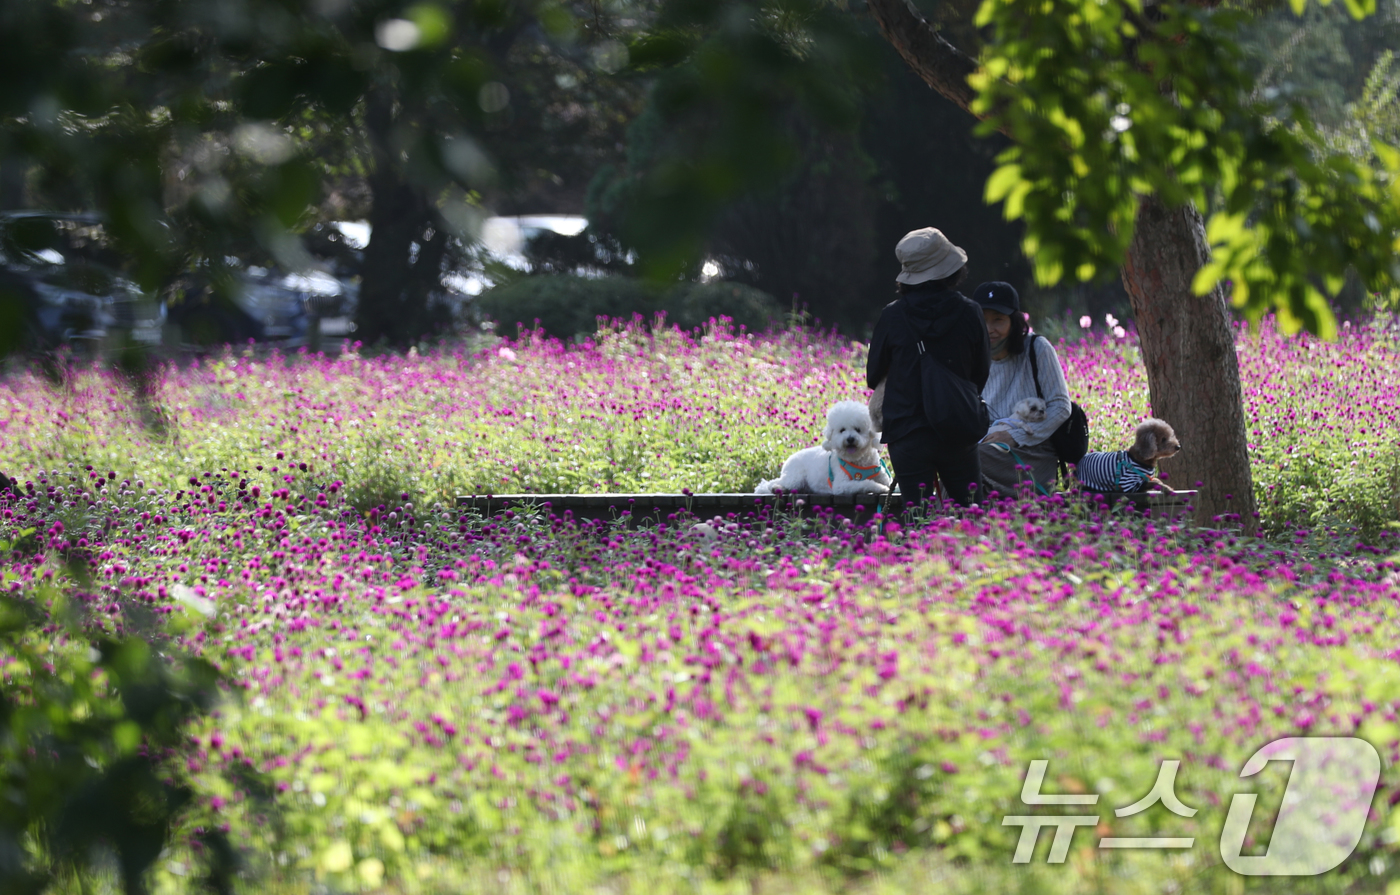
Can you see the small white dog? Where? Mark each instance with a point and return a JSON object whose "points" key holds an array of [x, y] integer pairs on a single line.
{"points": [[848, 461], [1029, 410]]}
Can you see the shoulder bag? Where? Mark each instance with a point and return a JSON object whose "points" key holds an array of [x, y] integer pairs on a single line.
{"points": [[952, 404], [1070, 441]]}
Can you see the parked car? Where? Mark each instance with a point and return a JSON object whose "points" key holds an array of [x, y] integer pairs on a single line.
{"points": [[264, 305], [61, 281]]}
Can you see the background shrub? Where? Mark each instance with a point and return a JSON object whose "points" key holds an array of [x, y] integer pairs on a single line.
{"points": [[567, 305], [693, 304]]}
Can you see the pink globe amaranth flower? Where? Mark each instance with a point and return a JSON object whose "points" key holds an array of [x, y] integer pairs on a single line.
{"points": [[821, 595]]}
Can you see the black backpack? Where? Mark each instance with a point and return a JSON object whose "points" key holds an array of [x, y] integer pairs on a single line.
{"points": [[953, 405], [1071, 440]]}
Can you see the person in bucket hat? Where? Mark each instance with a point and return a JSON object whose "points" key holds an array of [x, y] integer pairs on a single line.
{"points": [[926, 255], [929, 310]]}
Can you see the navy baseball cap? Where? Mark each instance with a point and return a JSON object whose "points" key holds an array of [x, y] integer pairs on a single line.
{"points": [[998, 296]]}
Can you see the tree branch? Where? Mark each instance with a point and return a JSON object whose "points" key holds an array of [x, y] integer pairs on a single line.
{"points": [[942, 66]]}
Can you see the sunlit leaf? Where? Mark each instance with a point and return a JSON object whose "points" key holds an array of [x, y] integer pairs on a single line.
{"points": [[1002, 181]]}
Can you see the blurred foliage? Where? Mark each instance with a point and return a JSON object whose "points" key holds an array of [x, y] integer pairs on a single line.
{"points": [[1374, 116], [693, 305], [1321, 58], [567, 306], [244, 123], [720, 124], [92, 728], [590, 251], [779, 138], [809, 237], [815, 220], [206, 131], [1106, 102]]}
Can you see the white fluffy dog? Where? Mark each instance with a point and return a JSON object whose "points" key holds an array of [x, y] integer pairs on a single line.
{"points": [[848, 461], [1029, 410]]}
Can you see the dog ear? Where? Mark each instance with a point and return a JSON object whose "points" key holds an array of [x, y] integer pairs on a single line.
{"points": [[1146, 442], [826, 437]]}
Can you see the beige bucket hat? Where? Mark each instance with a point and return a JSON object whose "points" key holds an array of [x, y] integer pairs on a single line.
{"points": [[927, 255]]}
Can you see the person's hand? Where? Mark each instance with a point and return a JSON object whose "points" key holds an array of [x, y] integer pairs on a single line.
{"points": [[996, 435]]}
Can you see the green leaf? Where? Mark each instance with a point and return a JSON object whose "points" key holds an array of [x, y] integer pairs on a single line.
{"points": [[126, 736], [1207, 277], [1015, 203], [1001, 182], [338, 857], [434, 24], [1224, 228], [1389, 155]]}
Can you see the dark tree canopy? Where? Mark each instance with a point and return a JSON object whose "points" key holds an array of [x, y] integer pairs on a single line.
{"points": [[211, 129]]}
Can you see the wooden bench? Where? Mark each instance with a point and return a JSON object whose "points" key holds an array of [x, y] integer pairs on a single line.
{"points": [[662, 507], [1170, 505]]}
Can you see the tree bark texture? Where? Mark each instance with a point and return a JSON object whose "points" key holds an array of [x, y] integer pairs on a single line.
{"points": [[941, 65], [404, 255], [1193, 372], [1187, 341]]}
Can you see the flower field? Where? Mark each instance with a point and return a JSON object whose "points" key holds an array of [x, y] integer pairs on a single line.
{"points": [[633, 413], [426, 702]]}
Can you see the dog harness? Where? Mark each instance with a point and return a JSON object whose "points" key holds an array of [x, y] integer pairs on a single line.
{"points": [[853, 472]]}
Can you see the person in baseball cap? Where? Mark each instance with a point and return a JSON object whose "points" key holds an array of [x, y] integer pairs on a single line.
{"points": [[1021, 455], [998, 296]]}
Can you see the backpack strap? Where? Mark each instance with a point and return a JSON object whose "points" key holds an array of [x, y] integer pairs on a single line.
{"points": [[1035, 367], [909, 322], [1035, 377]]}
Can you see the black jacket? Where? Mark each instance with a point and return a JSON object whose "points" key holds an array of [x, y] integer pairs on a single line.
{"points": [[952, 329]]}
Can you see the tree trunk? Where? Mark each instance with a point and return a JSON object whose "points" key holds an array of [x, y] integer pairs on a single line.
{"points": [[392, 308], [1193, 372]]}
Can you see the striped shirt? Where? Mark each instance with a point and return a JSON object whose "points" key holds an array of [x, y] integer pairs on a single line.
{"points": [[1111, 471], [1011, 382]]}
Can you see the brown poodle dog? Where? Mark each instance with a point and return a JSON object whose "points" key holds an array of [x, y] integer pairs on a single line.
{"points": [[1135, 468]]}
